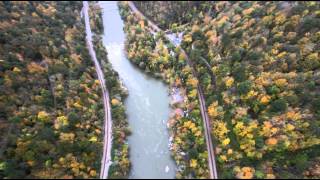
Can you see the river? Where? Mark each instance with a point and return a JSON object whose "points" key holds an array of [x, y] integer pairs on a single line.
{"points": [[147, 105]]}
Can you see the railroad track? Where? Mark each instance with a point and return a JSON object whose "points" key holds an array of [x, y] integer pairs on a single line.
{"points": [[106, 157], [207, 129]]}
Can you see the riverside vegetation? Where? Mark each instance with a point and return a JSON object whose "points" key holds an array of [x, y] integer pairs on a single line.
{"points": [[120, 155]]}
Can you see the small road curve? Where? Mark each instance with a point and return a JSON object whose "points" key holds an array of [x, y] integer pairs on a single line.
{"points": [[203, 108], [106, 157]]}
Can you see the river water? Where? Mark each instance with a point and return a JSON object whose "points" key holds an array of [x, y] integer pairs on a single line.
{"points": [[147, 105]]}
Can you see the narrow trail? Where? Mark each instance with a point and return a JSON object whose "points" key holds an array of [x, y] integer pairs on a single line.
{"points": [[203, 108], [106, 157]]}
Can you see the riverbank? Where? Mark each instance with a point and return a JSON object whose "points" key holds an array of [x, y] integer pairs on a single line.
{"points": [[260, 78], [187, 141], [120, 164], [147, 105], [50, 94]]}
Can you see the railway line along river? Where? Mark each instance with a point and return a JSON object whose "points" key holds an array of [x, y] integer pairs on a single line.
{"points": [[147, 105]]}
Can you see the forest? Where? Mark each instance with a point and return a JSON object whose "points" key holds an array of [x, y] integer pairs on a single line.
{"points": [[50, 109], [258, 65], [253, 65]]}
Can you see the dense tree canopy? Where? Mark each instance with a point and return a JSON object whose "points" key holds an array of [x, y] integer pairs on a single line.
{"points": [[51, 111], [258, 65]]}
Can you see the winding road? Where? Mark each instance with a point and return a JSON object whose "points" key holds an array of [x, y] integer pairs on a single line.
{"points": [[106, 157], [204, 114]]}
